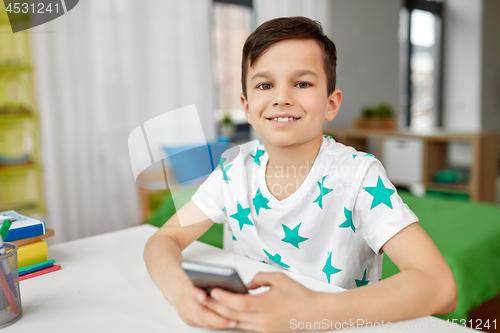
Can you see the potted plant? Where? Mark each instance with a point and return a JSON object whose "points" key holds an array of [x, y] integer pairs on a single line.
{"points": [[380, 116], [227, 127]]}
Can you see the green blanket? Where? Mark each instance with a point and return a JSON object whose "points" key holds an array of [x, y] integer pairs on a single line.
{"points": [[163, 206], [468, 236]]}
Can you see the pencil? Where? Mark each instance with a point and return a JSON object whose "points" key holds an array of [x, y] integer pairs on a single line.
{"points": [[8, 293], [9, 289]]}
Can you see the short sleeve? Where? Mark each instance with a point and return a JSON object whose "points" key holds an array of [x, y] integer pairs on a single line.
{"points": [[209, 198], [379, 213]]}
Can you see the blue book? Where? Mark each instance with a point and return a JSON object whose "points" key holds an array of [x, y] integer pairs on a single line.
{"points": [[22, 226]]}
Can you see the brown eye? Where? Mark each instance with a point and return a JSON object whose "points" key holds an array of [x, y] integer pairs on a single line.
{"points": [[303, 85], [264, 86]]}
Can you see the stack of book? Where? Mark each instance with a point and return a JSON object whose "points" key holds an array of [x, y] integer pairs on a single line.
{"points": [[29, 235]]}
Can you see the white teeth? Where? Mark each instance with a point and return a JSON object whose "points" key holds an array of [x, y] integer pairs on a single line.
{"points": [[283, 119]]}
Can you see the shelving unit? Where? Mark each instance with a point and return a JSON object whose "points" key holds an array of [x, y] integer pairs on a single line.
{"points": [[483, 171], [21, 171]]}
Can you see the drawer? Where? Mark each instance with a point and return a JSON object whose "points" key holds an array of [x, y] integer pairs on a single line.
{"points": [[403, 160]]}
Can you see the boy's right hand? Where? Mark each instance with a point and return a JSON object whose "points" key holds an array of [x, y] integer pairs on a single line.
{"points": [[190, 303]]}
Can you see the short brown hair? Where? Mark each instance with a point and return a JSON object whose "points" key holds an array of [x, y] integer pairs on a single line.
{"points": [[283, 28]]}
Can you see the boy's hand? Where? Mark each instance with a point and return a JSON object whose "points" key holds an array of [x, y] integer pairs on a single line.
{"points": [[272, 311], [190, 303]]}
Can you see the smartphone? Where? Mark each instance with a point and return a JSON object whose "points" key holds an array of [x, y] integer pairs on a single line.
{"points": [[209, 276]]}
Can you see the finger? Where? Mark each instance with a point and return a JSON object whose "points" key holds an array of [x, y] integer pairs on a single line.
{"points": [[208, 318], [266, 279], [250, 325], [247, 321], [223, 310], [253, 285], [199, 296], [236, 302]]}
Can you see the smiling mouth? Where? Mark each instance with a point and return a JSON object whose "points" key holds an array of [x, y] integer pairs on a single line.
{"points": [[284, 119]]}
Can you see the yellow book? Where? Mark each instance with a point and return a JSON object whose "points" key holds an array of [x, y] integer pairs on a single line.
{"points": [[32, 253]]}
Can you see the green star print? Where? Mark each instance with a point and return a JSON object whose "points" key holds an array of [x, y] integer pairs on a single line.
{"points": [[348, 222], [260, 201], [381, 194], [328, 269], [257, 156], [363, 282], [328, 137], [277, 259], [242, 216], [292, 235], [322, 191], [224, 169]]}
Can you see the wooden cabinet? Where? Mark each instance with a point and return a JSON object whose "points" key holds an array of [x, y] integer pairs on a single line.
{"points": [[483, 170]]}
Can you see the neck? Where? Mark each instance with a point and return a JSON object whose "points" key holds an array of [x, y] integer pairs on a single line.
{"points": [[297, 156]]}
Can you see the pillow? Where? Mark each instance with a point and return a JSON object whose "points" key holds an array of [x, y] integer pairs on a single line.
{"points": [[192, 163]]}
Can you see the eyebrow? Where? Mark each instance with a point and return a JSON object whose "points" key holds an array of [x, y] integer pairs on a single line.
{"points": [[303, 72], [300, 72], [261, 74]]}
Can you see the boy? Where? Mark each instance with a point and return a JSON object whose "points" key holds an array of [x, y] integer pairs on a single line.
{"points": [[331, 220]]}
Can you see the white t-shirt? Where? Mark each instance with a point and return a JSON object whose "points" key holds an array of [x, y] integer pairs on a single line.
{"points": [[331, 228]]}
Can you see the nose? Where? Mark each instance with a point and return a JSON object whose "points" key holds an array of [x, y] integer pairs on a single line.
{"points": [[283, 97]]}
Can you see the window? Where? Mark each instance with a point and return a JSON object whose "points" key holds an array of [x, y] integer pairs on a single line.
{"points": [[233, 22], [423, 22]]}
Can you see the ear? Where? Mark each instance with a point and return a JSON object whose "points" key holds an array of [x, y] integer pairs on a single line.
{"points": [[334, 101], [244, 104]]}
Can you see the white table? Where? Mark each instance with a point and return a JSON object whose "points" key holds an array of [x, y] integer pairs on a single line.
{"points": [[103, 286]]}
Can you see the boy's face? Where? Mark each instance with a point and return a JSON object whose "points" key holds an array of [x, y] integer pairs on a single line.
{"points": [[289, 82]]}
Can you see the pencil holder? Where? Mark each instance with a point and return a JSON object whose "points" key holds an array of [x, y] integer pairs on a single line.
{"points": [[10, 296]]}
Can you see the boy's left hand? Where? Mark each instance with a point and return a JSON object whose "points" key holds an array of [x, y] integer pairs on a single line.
{"points": [[271, 311]]}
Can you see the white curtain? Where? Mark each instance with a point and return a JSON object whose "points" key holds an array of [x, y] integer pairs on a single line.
{"points": [[103, 69], [314, 9]]}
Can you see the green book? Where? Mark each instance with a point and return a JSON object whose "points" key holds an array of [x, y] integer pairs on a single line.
{"points": [[35, 266]]}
